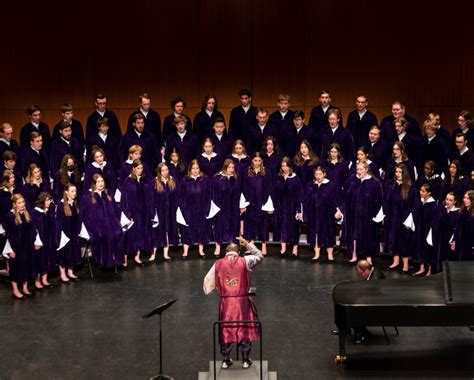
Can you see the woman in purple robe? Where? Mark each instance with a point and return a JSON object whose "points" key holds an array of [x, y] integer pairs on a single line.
{"points": [[134, 153], [176, 166], [399, 155], [209, 161], [102, 167], [431, 177], [464, 235], [7, 190], [45, 259], [271, 157], [257, 201], [288, 199], [166, 205], [320, 211], [454, 181], [447, 227], [68, 173], [194, 207], [225, 195], [362, 154], [362, 209], [22, 244], [67, 229], [240, 158], [305, 162], [137, 212], [399, 225], [101, 220], [337, 169], [34, 185]]}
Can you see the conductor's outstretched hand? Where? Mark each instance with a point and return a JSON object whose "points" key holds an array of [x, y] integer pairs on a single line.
{"points": [[242, 241]]}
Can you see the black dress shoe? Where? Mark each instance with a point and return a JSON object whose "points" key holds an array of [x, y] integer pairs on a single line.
{"points": [[419, 274], [74, 279], [393, 268], [352, 263], [202, 256], [184, 257], [68, 282], [49, 286], [22, 298], [313, 260], [405, 272]]}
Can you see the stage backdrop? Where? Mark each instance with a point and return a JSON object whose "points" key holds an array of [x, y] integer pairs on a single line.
{"points": [[57, 52]]}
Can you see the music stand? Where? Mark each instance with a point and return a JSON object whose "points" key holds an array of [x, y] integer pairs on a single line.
{"points": [[159, 310]]}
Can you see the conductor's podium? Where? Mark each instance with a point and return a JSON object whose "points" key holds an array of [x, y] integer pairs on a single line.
{"points": [[236, 372]]}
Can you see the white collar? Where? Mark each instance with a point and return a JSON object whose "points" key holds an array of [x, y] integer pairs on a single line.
{"points": [[213, 154], [219, 137], [37, 151], [262, 127], [181, 134], [361, 114], [369, 162], [221, 173], [40, 210], [139, 134], [434, 176], [101, 113], [429, 200], [68, 142], [325, 180], [283, 114], [103, 136], [368, 176], [5, 141], [453, 209], [129, 161], [239, 158], [35, 124], [431, 138], [325, 108], [209, 113], [333, 130], [401, 136], [145, 113], [290, 176], [96, 165], [195, 177], [461, 152], [246, 108]]}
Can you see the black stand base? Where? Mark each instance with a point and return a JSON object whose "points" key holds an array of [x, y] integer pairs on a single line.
{"points": [[161, 377]]}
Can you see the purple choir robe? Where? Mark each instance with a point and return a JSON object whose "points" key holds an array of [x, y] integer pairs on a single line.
{"points": [[272, 165], [427, 220], [69, 255], [169, 127], [398, 239], [203, 124], [241, 164], [110, 148], [18, 177], [101, 220], [194, 203], [77, 131], [464, 236], [58, 187], [151, 154], [21, 238], [282, 124], [467, 161], [337, 172], [223, 145], [240, 121], [126, 169], [435, 183], [378, 152], [30, 156], [434, 150], [114, 125], [31, 192], [188, 147], [257, 190], [12, 146], [295, 138], [319, 207], [447, 228], [42, 129], [319, 119], [389, 133], [412, 147], [45, 260], [362, 202], [152, 125], [256, 136], [469, 137], [177, 171], [210, 166], [61, 147], [166, 204], [226, 195], [360, 127], [390, 171], [340, 136], [458, 187], [137, 205], [108, 172], [288, 201], [305, 171]]}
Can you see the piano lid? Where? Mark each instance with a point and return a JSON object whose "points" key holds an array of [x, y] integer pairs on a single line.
{"points": [[458, 279]]}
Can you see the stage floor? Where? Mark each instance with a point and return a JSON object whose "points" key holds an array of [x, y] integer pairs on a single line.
{"points": [[93, 329]]}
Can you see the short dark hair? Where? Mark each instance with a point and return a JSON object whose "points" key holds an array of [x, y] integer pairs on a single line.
{"points": [[41, 200], [219, 120], [144, 96], [100, 96], [32, 109], [324, 92], [102, 121], [177, 100], [460, 134], [64, 125], [245, 92], [34, 135], [138, 116], [298, 114], [67, 107], [8, 155]]}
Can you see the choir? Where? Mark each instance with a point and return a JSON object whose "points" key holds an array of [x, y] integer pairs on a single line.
{"points": [[394, 187]]}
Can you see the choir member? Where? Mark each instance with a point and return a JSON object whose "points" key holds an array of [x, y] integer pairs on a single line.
{"points": [[387, 126], [447, 227], [102, 224], [240, 158], [35, 125], [463, 243], [377, 148], [320, 211], [288, 197], [7, 190], [45, 260], [102, 167], [187, 143], [337, 169], [138, 135], [166, 205], [360, 120], [177, 105], [194, 207], [454, 181], [67, 229], [67, 173], [305, 162], [433, 148], [431, 177], [257, 201], [362, 211], [259, 131], [282, 120], [319, 116], [463, 154], [34, 185], [134, 153], [399, 155], [465, 126], [106, 142], [209, 161], [225, 194], [362, 154], [411, 142], [443, 133], [271, 157], [221, 140], [426, 230], [334, 132], [67, 113], [7, 143], [10, 163], [399, 225], [66, 144], [35, 154], [21, 247], [242, 116], [176, 166], [101, 111], [204, 120], [152, 119], [137, 207], [298, 134]]}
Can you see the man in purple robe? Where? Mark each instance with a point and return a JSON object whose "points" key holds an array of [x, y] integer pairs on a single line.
{"points": [[66, 144], [204, 120], [185, 142], [177, 105], [67, 113], [432, 148], [388, 128], [106, 142], [282, 120], [7, 142], [222, 140], [260, 131], [35, 125], [378, 148], [298, 134], [360, 121], [465, 126], [463, 154], [242, 116], [100, 112], [319, 116], [335, 133], [35, 154]]}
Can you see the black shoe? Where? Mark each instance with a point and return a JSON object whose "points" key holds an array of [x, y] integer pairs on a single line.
{"points": [[419, 274], [74, 279], [184, 257], [352, 263], [393, 268], [202, 256], [68, 282], [246, 363], [405, 272], [49, 286], [313, 260], [22, 298], [226, 363]]}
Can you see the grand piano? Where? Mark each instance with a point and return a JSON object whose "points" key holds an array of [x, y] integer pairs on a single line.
{"points": [[444, 299]]}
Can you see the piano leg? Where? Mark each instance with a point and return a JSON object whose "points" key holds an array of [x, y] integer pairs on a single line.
{"points": [[341, 358]]}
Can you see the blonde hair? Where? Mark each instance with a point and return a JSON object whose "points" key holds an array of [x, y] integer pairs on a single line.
{"points": [[18, 221], [67, 208], [134, 149], [29, 177]]}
